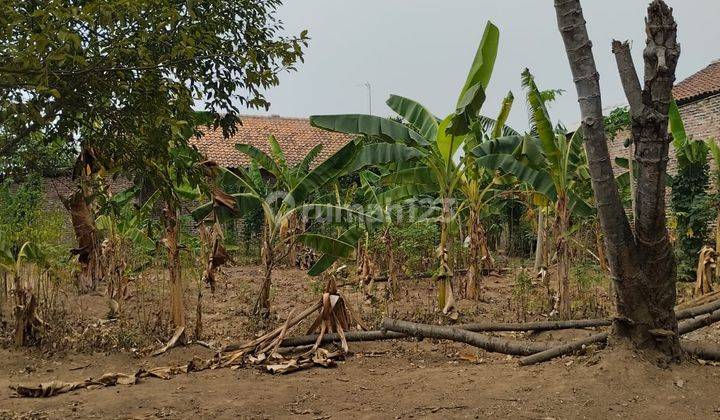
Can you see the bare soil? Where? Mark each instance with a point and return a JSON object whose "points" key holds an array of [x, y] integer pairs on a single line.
{"points": [[393, 379]]}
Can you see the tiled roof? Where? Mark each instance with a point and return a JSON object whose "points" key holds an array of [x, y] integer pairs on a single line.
{"points": [[295, 136], [699, 85]]}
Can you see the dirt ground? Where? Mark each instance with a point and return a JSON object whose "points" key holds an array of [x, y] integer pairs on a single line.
{"points": [[393, 379]]}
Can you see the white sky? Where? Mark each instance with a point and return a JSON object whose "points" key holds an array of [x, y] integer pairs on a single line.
{"points": [[422, 49]]}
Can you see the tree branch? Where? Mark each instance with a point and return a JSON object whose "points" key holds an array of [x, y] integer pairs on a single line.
{"points": [[628, 77]]}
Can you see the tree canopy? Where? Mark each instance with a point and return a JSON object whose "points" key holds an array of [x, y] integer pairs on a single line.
{"points": [[128, 76]]}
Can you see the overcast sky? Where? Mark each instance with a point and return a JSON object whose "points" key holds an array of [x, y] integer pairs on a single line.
{"points": [[422, 49]]}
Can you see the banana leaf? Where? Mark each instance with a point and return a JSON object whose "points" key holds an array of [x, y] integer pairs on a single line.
{"points": [[350, 236], [334, 214], [336, 165], [384, 153], [326, 244], [448, 143], [418, 175], [415, 114], [540, 119], [538, 179], [484, 61], [262, 159], [403, 192], [368, 125], [502, 116]]}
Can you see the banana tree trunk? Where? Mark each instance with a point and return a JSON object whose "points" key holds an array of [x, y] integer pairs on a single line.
{"points": [[476, 257], [540, 242], [262, 305], [177, 305], [446, 301], [562, 223], [88, 250], [393, 286]]}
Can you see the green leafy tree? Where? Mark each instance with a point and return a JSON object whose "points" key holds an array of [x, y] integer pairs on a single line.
{"points": [[119, 81]]}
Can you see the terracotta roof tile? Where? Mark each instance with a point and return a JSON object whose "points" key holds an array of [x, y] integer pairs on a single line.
{"points": [[295, 135], [699, 85]]}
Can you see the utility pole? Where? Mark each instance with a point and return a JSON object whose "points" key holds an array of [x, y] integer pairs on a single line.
{"points": [[369, 89]]}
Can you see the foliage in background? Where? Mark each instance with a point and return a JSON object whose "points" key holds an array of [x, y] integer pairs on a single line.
{"points": [[414, 244], [617, 121], [689, 198]]}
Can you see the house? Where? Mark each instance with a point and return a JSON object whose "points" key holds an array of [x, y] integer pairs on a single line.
{"points": [[295, 135], [698, 98]]}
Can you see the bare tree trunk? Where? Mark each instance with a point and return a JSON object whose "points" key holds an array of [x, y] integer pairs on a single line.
{"points": [[642, 264], [262, 305], [540, 242], [177, 305]]}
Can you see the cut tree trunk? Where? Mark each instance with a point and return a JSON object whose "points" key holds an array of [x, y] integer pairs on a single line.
{"points": [[641, 262], [177, 305]]}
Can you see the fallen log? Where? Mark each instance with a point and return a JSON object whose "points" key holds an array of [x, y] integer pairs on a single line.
{"points": [[691, 325], [563, 349], [492, 344], [697, 310], [710, 297], [704, 351], [474, 327], [534, 326], [551, 353]]}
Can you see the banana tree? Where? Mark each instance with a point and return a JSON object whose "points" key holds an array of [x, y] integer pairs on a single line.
{"points": [[293, 198], [551, 164], [439, 170], [477, 189], [125, 229], [20, 277]]}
